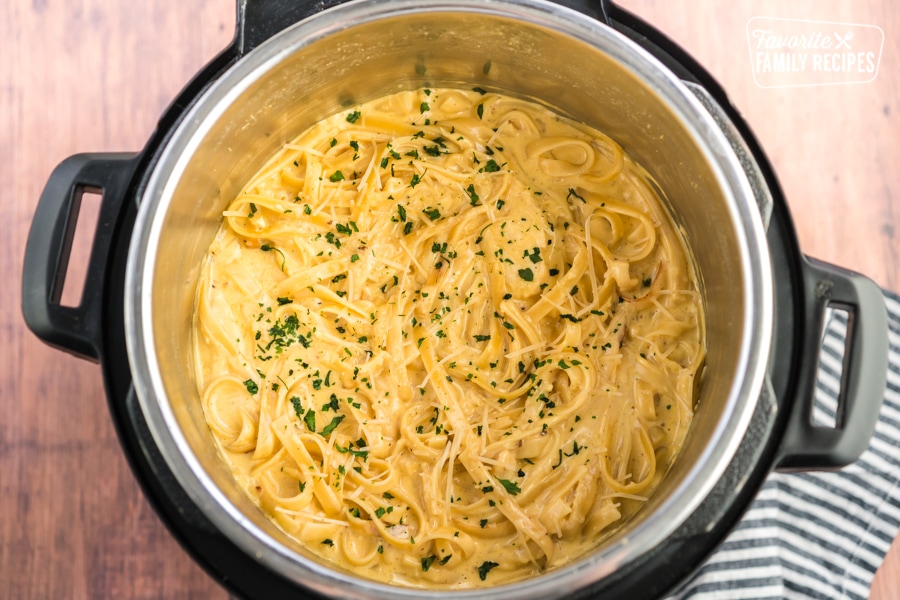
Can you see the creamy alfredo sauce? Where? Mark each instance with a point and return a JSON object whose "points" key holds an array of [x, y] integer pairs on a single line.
{"points": [[448, 338]]}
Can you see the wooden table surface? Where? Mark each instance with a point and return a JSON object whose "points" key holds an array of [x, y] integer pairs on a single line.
{"points": [[94, 75]]}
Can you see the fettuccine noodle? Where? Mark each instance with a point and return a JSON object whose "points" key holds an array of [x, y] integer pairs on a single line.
{"points": [[448, 337]]}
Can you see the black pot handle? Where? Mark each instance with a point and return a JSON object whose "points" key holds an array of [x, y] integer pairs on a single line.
{"points": [[258, 20], [74, 329], [807, 446]]}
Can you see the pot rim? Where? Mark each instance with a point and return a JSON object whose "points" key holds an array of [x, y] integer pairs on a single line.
{"points": [[709, 138]]}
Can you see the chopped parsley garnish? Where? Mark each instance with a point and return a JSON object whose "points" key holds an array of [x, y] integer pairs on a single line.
{"points": [[268, 248], [353, 117], [560, 460], [485, 567], [332, 425], [309, 419], [332, 404], [298, 407], [336, 176], [510, 486], [285, 333], [401, 213], [535, 256], [332, 239], [473, 195], [491, 166], [432, 213], [427, 562], [251, 386], [364, 454], [526, 274]]}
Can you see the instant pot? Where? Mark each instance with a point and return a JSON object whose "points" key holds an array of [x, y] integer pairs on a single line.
{"points": [[293, 63]]}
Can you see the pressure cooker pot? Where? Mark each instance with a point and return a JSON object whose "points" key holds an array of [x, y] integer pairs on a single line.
{"points": [[293, 64]]}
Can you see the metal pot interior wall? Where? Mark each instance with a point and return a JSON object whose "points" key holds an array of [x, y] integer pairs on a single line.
{"points": [[329, 63]]}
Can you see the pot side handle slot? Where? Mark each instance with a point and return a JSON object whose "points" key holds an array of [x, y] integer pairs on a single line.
{"points": [[74, 329], [811, 445]]}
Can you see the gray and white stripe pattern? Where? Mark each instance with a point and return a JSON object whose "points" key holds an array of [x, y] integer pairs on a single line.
{"points": [[818, 535]]}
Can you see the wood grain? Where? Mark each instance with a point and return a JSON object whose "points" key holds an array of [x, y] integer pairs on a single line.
{"points": [[80, 76], [94, 75]]}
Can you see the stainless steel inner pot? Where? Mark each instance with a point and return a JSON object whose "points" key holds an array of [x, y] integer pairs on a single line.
{"points": [[364, 49]]}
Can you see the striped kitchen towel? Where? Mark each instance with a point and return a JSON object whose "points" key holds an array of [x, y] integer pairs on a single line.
{"points": [[818, 535]]}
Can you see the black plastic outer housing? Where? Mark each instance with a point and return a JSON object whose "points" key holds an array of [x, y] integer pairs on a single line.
{"points": [[125, 177]]}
